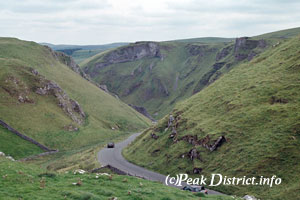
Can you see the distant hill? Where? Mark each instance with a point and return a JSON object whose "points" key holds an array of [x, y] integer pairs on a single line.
{"points": [[206, 40], [82, 52]]}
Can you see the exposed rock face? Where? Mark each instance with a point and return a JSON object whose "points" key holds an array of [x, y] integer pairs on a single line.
{"points": [[132, 88], [129, 53], [224, 52], [205, 80], [199, 50], [142, 110], [103, 87], [17, 89], [69, 106], [243, 48], [68, 60], [262, 43]]}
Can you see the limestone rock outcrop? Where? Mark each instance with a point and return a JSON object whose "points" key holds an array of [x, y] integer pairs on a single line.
{"points": [[69, 106], [128, 53], [143, 111]]}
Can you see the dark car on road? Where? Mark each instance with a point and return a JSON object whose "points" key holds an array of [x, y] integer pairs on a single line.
{"points": [[111, 145], [193, 188]]}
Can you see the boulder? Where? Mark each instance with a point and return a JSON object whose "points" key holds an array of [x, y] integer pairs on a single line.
{"points": [[248, 197], [275, 99], [170, 121], [41, 91], [197, 170], [34, 72], [103, 87], [10, 158], [191, 139], [193, 154], [154, 136], [174, 133], [218, 143], [70, 128]]}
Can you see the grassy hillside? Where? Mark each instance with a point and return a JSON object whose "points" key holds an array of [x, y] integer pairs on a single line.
{"points": [[15, 146], [155, 83], [256, 108], [19, 181], [179, 69], [54, 119]]}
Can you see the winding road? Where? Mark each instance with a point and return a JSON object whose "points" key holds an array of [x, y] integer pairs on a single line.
{"points": [[114, 158]]}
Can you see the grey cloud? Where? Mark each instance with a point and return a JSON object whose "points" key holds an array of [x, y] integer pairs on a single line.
{"points": [[242, 6], [83, 21]]}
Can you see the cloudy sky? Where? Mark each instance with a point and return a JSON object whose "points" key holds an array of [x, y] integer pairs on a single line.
{"points": [[107, 21]]}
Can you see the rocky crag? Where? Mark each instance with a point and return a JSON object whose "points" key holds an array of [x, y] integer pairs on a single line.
{"points": [[69, 106]]}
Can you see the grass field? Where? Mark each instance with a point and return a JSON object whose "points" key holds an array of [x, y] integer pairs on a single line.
{"points": [[19, 181]]}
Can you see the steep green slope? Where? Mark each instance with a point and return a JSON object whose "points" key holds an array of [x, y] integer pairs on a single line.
{"points": [[155, 75], [256, 108], [15, 146], [47, 101], [19, 181]]}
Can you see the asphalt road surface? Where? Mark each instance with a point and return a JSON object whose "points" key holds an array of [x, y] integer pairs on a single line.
{"points": [[114, 158]]}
